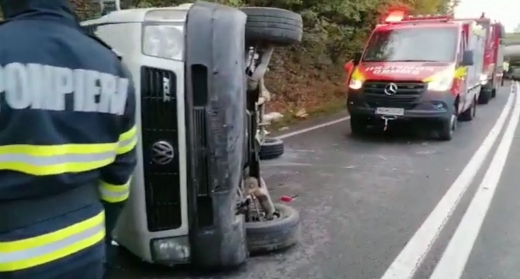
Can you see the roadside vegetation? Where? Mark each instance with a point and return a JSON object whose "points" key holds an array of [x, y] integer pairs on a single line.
{"points": [[307, 79]]}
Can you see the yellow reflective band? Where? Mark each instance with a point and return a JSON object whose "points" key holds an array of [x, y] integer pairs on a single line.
{"points": [[27, 253], [56, 159], [460, 72], [114, 193], [357, 75], [127, 141]]}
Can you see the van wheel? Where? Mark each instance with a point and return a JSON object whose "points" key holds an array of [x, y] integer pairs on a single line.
{"points": [[447, 129], [470, 113], [274, 235], [493, 93], [271, 148], [273, 26]]}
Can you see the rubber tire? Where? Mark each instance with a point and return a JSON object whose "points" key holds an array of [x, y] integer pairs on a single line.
{"points": [[485, 95], [271, 148], [470, 113], [275, 235], [358, 126], [448, 128], [273, 26]]}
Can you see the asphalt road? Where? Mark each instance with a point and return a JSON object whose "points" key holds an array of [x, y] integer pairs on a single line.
{"points": [[392, 205]]}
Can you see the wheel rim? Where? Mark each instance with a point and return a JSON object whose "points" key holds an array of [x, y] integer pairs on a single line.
{"points": [[257, 214]]}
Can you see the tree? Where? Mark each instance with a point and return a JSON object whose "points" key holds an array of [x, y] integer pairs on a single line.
{"points": [[334, 30]]}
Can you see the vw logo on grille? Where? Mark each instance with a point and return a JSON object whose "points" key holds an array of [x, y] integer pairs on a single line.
{"points": [[391, 89], [162, 152]]}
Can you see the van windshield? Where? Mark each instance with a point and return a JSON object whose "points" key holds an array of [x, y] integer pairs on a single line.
{"points": [[434, 44]]}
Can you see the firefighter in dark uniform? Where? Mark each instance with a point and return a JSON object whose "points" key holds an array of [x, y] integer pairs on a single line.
{"points": [[67, 142]]}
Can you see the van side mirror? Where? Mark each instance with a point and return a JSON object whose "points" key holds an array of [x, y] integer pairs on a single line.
{"points": [[467, 58], [357, 58]]}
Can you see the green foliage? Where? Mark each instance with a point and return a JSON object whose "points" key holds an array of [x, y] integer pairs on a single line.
{"points": [[334, 27], [310, 75]]}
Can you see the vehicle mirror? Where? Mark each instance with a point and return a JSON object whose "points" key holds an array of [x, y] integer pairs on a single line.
{"points": [[467, 58], [357, 58]]}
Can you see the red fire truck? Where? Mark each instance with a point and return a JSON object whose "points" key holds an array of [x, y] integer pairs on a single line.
{"points": [[423, 68], [493, 57]]}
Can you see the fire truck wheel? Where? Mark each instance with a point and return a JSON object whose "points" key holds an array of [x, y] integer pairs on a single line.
{"points": [[470, 113], [447, 128], [272, 26], [485, 95], [358, 125], [271, 148], [275, 235]]}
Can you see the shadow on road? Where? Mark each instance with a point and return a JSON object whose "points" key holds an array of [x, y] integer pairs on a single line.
{"points": [[400, 133], [127, 266]]}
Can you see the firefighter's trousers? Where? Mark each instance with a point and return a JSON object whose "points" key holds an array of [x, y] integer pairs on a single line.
{"points": [[57, 236]]}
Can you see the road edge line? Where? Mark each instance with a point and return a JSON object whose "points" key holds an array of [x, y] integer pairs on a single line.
{"points": [[455, 257], [312, 128], [412, 255]]}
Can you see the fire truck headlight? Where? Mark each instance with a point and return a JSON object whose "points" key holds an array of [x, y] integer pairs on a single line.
{"points": [[355, 84], [442, 83], [171, 250], [163, 41]]}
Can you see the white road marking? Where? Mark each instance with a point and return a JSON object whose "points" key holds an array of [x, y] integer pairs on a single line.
{"points": [[455, 257], [319, 126], [410, 258]]}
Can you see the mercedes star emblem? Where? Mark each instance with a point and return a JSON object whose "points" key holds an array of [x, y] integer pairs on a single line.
{"points": [[391, 89], [162, 152]]}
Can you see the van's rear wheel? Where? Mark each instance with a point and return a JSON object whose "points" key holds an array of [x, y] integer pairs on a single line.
{"points": [[271, 148], [272, 26]]}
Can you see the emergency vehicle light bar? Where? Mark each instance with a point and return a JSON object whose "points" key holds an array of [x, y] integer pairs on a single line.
{"points": [[430, 17], [400, 16]]}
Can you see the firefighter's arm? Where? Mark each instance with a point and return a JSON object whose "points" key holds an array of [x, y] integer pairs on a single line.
{"points": [[116, 177]]}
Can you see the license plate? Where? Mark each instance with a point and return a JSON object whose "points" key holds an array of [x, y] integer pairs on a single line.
{"points": [[390, 111]]}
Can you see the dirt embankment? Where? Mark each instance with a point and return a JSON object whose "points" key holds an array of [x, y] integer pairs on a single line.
{"points": [[303, 88]]}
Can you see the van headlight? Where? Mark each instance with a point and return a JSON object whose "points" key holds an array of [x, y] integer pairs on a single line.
{"points": [[171, 250], [442, 83], [164, 41]]}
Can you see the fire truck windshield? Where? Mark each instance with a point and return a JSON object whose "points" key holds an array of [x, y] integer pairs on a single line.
{"points": [[425, 44]]}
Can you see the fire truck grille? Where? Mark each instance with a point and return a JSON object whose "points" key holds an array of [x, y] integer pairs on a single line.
{"points": [[160, 149], [406, 95]]}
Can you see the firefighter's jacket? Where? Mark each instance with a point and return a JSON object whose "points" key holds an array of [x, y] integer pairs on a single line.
{"points": [[67, 138]]}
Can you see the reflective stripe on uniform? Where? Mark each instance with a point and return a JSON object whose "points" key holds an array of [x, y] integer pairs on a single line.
{"points": [[127, 141], [56, 159], [27, 253], [114, 193]]}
